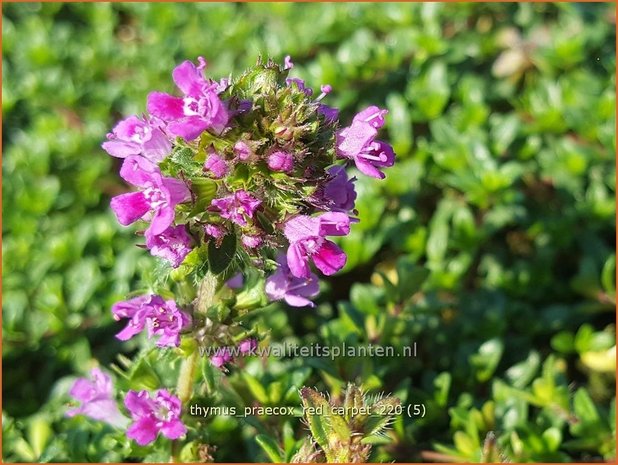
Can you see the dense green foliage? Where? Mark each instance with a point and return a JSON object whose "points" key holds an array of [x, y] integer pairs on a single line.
{"points": [[490, 244]]}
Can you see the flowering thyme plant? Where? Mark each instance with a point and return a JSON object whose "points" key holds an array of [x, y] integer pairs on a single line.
{"points": [[241, 181]]}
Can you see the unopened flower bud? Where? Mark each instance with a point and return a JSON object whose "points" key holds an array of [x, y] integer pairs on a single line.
{"points": [[281, 161]]}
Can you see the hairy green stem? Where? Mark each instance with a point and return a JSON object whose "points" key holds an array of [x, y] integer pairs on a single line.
{"points": [[205, 298]]}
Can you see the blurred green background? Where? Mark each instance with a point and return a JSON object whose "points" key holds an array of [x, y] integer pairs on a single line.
{"points": [[503, 119]]}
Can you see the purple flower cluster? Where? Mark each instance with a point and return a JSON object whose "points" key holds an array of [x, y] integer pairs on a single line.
{"points": [[258, 162], [151, 416], [160, 317], [154, 415], [275, 190]]}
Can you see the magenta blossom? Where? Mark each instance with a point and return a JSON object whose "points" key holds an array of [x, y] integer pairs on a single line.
{"points": [[248, 346], [237, 207], [242, 150], [159, 195], [294, 290], [357, 142], [339, 191], [160, 317], [330, 114], [307, 240], [287, 62], [251, 241], [221, 357], [136, 136], [281, 161], [216, 165], [215, 230], [199, 109], [173, 244], [300, 85], [95, 395], [152, 416]]}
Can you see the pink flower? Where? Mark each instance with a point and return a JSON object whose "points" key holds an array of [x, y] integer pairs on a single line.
{"points": [[281, 161], [136, 136], [247, 346], [251, 241], [199, 109], [160, 317], [216, 165], [159, 195], [215, 230], [242, 150], [294, 290], [95, 395], [307, 240], [357, 142], [152, 416], [221, 357], [330, 114], [237, 207], [287, 62], [173, 244], [339, 190]]}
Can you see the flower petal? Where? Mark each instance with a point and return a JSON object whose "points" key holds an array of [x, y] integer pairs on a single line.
{"points": [[165, 106], [143, 431], [298, 301], [173, 429], [188, 79], [298, 261], [161, 220], [352, 140], [139, 171], [130, 207], [367, 168], [330, 258], [138, 403], [300, 227], [121, 149], [188, 128], [178, 190]]}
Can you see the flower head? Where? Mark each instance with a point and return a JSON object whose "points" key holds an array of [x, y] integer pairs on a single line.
{"points": [[199, 109], [160, 317], [283, 285], [159, 195], [237, 207], [173, 244], [95, 395], [136, 136], [152, 416], [307, 241], [357, 142]]}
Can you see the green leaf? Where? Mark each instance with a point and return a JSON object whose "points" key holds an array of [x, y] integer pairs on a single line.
{"points": [[256, 388], [487, 358], [270, 446], [220, 258], [204, 190]]}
